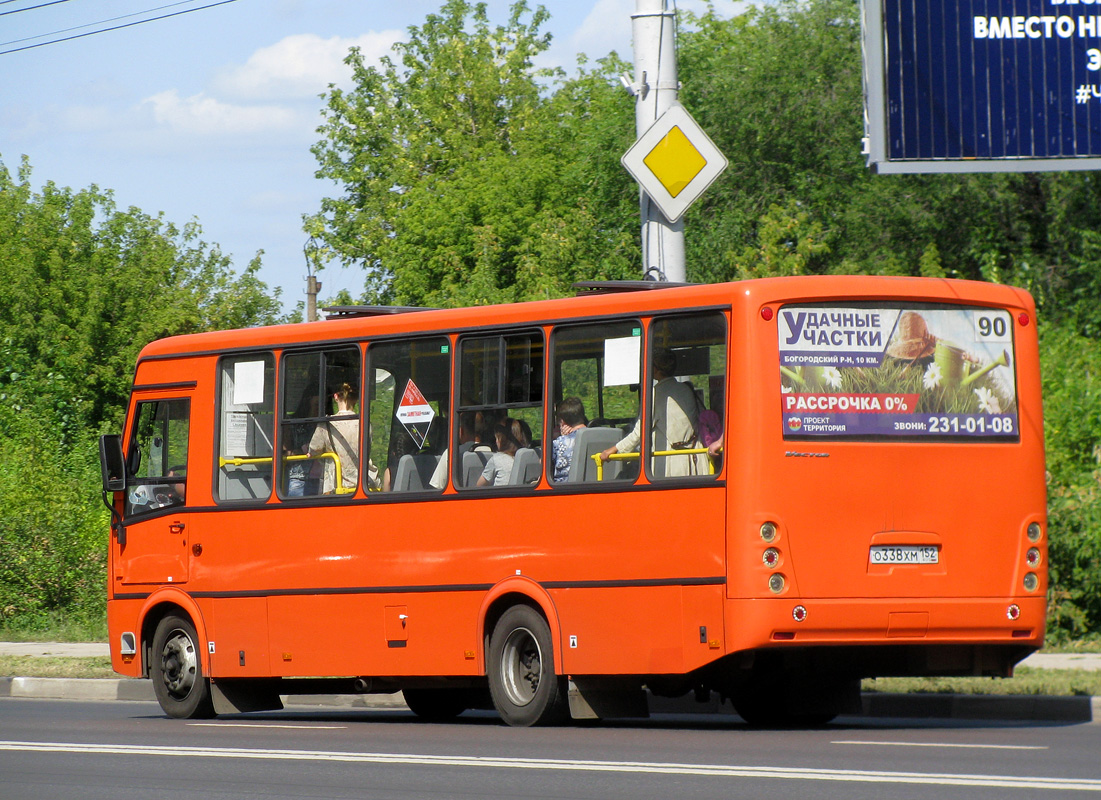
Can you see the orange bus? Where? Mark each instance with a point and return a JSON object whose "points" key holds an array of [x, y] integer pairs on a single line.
{"points": [[767, 489]]}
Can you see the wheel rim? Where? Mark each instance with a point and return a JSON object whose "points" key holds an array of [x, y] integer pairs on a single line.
{"points": [[521, 666], [179, 665]]}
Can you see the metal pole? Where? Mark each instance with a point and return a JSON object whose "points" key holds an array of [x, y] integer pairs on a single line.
{"points": [[656, 87]]}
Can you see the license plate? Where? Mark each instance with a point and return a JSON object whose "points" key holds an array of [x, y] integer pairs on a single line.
{"points": [[905, 554]]}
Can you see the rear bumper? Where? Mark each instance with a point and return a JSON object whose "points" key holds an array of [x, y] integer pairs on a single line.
{"points": [[787, 622]]}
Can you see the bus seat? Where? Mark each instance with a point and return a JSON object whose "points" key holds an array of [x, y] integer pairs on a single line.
{"points": [[474, 461], [525, 467], [587, 443], [414, 472]]}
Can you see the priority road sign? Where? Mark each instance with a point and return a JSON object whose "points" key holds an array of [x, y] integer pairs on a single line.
{"points": [[674, 162]]}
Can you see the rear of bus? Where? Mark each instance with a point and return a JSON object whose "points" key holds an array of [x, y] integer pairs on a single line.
{"points": [[886, 470]]}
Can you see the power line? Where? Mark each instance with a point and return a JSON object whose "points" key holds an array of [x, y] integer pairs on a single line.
{"points": [[114, 28], [90, 24], [32, 8]]}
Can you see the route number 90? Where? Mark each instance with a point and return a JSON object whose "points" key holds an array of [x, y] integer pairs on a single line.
{"points": [[992, 327]]}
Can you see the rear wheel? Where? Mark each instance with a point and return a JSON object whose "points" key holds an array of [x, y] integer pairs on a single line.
{"points": [[525, 689], [177, 671], [437, 705]]}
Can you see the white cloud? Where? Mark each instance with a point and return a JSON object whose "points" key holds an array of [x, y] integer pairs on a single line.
{"points": [[205, 116], [607, 27], [302, 65]]}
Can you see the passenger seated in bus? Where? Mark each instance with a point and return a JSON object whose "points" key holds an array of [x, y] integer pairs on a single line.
{"points": [[339, 435], [498, 469], [570, 416], [675, 417], [483, 433], [466, 442], [521, 432]]}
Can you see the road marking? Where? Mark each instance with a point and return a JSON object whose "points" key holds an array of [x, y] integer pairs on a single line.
{"points": [[267, 725], [491, 762], [948, 744]]}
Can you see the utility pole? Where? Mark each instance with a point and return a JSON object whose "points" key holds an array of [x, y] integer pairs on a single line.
{"points": [[655, 89], [313, 285]]}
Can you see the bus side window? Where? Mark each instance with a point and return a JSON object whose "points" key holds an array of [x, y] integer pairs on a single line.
{"points": [[596, 374], [500, 410], [688, 357], [408, 395], [246, 386], [319, 432], [157, 462]]}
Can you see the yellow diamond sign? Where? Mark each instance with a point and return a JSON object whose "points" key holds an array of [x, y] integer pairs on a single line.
{"points": [[674, 162]]}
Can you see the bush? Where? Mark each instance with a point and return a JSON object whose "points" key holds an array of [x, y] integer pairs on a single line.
{"points": [[1071, 367], [53, 530]]}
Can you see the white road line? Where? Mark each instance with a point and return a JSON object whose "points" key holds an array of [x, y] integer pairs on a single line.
{"points": [[490, 762], [948, 744], [267, 725]]}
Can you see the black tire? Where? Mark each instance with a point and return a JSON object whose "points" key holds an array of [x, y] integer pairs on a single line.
{"points": [[768, 706], [525, 689], [437, 705], [176, 669]]}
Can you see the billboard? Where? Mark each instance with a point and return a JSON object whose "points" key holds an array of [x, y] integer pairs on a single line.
{"points": [[982, 85], [916, 373]]}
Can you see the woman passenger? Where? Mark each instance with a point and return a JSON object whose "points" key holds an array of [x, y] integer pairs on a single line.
{"points": [[498, 469]]}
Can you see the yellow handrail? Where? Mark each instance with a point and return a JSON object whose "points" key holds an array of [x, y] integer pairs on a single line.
{"points": [[339, 481], [631, 456]]}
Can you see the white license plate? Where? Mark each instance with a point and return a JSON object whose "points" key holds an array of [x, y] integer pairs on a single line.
{"points": [[905, 554]]}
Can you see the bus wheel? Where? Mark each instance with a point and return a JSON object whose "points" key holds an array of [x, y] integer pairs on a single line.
{"points": [[177, 671], [437, 705], [522, 682]]}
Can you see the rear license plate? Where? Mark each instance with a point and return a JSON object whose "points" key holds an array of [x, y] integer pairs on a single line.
{"points": [[905, 554]]}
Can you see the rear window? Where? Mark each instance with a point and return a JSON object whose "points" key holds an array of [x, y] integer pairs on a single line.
{"points": [[914, 372]]}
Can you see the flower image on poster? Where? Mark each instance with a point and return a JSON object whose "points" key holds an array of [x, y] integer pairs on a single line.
{"points": [[937, 372]]}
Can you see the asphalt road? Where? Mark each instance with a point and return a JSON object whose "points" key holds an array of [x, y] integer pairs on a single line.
{"points": [[121, 750]]}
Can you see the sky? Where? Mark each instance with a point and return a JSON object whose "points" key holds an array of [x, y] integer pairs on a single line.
{"points": [[209, 116]]}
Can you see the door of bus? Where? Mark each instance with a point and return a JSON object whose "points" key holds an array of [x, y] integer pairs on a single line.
{"points": [[155, 549]]}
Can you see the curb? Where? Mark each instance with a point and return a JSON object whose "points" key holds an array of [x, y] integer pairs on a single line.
{"points": [[1036, 708]]}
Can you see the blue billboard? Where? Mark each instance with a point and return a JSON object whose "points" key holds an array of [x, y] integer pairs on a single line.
{"points": [[982, 85]]}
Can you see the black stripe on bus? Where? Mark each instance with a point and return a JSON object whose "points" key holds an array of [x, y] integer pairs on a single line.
{"points": [[434, 589], [164, 387]]}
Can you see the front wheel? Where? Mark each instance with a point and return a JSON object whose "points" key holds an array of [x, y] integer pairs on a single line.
{"points": [[177, 671], [525, 689]]}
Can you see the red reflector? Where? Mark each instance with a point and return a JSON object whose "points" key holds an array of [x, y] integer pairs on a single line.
{"points": [[783, 634], [1023, 319], [766, 314], [1022, 634]]}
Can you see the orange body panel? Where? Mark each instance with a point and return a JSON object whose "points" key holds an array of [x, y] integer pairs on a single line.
{"points": [[644, 579]]}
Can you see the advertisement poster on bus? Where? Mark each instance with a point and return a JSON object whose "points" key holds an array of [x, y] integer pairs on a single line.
{"points": [[897, 372]]}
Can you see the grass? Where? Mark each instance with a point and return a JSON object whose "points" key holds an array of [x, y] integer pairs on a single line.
{"points": [[1026, 680], [56, 667]]}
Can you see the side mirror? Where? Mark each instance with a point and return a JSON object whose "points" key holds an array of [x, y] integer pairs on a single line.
{"points": [[111, 463]]}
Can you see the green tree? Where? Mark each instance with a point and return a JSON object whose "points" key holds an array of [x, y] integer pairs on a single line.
{"points": [[83, 287], [463, 183]]}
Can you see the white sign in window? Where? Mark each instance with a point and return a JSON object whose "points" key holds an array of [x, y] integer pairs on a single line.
{"points": [[621, 359], [248, 382]]}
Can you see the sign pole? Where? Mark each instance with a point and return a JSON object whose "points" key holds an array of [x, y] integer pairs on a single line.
{"points": [[655, 89]]}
